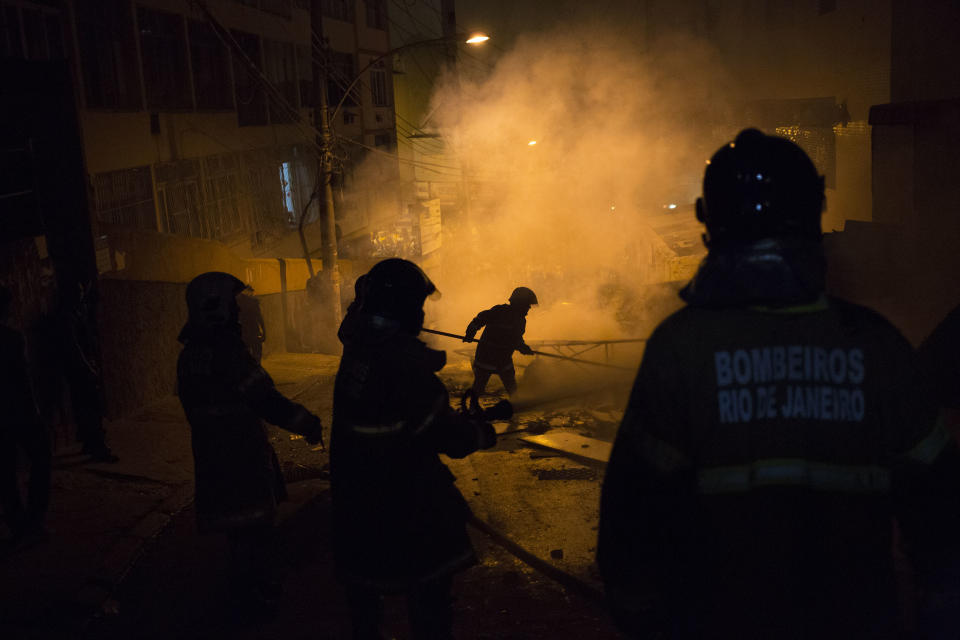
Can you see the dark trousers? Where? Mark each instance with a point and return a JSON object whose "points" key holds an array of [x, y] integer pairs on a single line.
{"points": [[31, 438], [429, 611], [508, 376]]}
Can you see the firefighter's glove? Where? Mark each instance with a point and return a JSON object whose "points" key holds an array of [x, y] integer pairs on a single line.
{"points": [[313, 433], [525, 350], [503, 410]]}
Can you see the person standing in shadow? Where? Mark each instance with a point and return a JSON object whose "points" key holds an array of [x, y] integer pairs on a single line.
{"points": [[21, 431], [226, 396]]}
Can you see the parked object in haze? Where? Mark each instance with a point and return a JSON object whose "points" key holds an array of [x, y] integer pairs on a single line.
{"points": [[81, 353], [504, 325], [399, 520], [226, 396], [772, 436]]}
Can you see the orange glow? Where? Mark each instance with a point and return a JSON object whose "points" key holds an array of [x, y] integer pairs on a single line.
{"points": [[477, 38]]}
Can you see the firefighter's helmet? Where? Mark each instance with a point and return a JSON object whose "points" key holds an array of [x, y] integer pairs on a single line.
{"points": [[212, 300], [523, 297], [396, 288], [760, 186]]}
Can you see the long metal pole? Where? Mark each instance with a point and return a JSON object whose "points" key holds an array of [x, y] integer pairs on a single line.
{"points": [[328, 222], [536, 353], [448, 24]]}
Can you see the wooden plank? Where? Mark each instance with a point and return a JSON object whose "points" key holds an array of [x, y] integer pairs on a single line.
{"points": [[572, 444]]}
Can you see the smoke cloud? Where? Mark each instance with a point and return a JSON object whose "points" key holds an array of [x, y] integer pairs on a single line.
{"points": [[618, 134]]}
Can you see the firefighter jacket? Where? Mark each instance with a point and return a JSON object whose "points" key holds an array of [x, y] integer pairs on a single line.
{"points": [[503, 335], [225, 395], [398, 517], [762, 457]]}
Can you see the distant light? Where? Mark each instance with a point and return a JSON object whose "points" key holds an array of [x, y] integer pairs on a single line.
{"points": [[708, 162], [531, 143], [477, 38], [759, 207], [613, 207], [759, 176], [733, 145], [671, 206]]}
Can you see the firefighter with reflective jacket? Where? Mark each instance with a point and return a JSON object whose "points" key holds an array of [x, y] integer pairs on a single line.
{"points": [[772, 437], [226, 395], [505, 324], [398, 519]]}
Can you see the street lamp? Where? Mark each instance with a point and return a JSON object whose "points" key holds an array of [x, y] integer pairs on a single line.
{"points": [[474, 40]]}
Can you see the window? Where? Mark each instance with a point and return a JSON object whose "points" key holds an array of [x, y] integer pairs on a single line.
{"points": [[211, 68], [11, 42], [38, 30], [251, 99], [383, 140], [163, 50], [376, 14], [340, 73], [125, 198], [338, 9], [220, 196], [305, 75], [281, 70], [378, 86], [108, 54]]}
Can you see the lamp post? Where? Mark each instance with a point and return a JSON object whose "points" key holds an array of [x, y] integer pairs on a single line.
{"points": [[329, 286]]}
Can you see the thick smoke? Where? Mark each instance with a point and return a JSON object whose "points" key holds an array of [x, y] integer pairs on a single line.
{"points": [[619, 133]]}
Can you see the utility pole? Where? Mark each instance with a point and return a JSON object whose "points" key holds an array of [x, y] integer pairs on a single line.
{"points": [[448, 25], [330, 289]]}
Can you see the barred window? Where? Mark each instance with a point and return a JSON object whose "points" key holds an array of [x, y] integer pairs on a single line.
{"points": [[251, 99], [108, 54], [125, 198], [305, 76], [376, 14], [340, 73], [163, 50], [339, 10], [378, 86], [210, 61], [281, 70]]}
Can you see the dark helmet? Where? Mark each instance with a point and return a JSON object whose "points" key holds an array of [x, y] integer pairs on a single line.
{"points": [[523, 296], [760, 186], [396, 288], [212, 300]]}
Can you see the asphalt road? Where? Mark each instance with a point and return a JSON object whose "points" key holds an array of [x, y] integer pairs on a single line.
{"points": [[546, 504]]}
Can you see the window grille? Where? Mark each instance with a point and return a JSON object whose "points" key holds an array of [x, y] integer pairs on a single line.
{"points": [[339, 10], [108, 54], [378, 86], [210, 62], [281, 70], [376, 14], [125, 198], [251, 99], [163, 50]]}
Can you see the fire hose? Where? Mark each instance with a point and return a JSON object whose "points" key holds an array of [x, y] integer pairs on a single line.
{"points": [[537, 353]]}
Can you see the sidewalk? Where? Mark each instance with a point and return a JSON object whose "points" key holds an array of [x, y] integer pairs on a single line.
{"points": [[101, 515]]}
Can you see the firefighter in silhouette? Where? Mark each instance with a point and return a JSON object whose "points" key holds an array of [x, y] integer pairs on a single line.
{"points": [[505, 324], [772, 436], [398, 519], [226, 396], [22, 431]]}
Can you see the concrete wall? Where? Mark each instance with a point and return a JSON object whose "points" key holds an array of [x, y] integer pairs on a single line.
{"points": [[139, 323]]}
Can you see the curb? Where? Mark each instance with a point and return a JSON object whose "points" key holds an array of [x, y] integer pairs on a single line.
{"points": [[97, 594]]}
